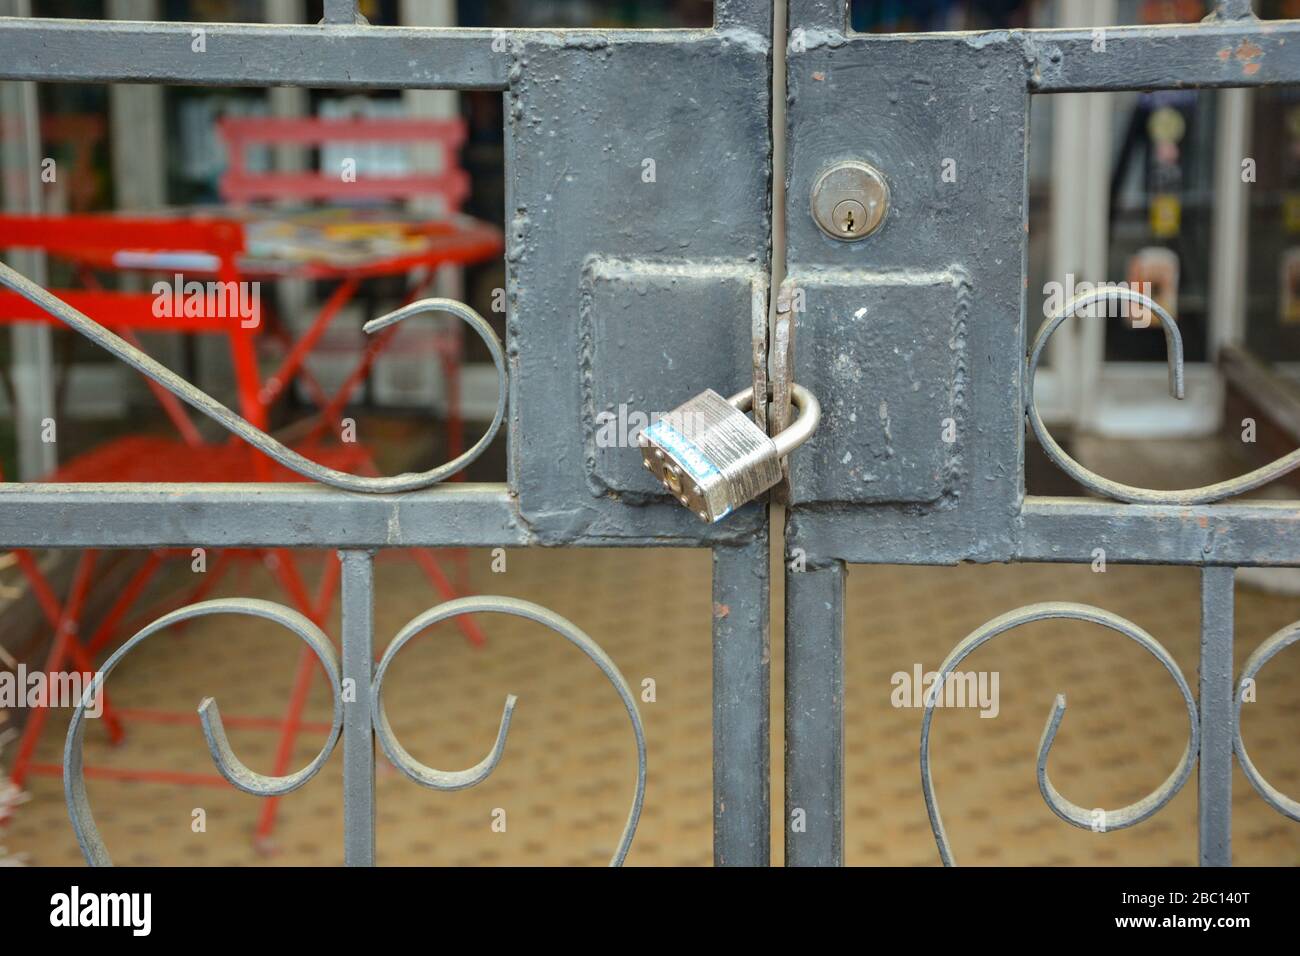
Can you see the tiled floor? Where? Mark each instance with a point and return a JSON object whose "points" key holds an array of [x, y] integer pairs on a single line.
{"points": [[568, 771], [567, 776]]}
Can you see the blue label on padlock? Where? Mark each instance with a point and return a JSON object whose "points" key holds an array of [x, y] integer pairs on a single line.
{"points": [[683, 449]]}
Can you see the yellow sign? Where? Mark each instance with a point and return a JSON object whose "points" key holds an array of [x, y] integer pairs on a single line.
{"points": [[1291, 212], [1166, 215]]}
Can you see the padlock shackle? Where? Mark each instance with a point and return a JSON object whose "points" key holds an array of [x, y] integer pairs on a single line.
{"points": [[799, 430], [802, 428]]}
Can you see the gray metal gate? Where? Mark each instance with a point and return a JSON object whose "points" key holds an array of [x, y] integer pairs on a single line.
{"points": [[611, 279], [944, 282]]}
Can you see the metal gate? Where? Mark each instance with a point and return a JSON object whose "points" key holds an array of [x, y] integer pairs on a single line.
{"points": [[943, 283], [611, 280]]}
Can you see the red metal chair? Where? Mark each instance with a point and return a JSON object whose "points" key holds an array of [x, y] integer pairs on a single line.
{"points": [[463, 240], [441, 137], [105, 241]]}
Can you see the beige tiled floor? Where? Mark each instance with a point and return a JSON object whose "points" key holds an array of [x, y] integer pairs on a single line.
{"points": [[1123, 732], [567, 775]]}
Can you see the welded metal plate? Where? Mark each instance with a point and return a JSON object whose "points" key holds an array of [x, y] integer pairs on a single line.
{"points": [[639, 365], [943, 118], [653, 147], [888, 354]]}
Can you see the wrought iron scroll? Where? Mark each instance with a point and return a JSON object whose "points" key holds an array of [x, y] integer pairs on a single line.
{"points": [[205, 403], [1174, 353], [1274, 797], [1070, 812], [458, 780], [249, 781], [230, 766]]}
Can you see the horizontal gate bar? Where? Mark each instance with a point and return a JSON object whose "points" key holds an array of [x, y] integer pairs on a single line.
{"points": [[334, 56], [1217, 53], [1264, 533], [255, 515], [247, 54], [1246, 533], [304, 515], [1061, 530], [1208, 54]]}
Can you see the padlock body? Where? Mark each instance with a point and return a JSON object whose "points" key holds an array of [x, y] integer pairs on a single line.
{"points": [[710, 456]]}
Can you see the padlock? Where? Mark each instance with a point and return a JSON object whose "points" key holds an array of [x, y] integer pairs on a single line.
{"points": [[712, 457]]}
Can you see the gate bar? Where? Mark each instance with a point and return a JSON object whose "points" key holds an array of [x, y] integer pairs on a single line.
{"points": [[358, 735], [303, 515], [1215, 53], [1233, 50], [1239, 533], [251, 54], [741, 698], [814, 716], [753, 15], [340, 12], [1214, 780]]}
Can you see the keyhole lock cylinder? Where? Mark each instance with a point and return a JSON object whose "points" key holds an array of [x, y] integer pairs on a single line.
{"points": [[849, 200]]}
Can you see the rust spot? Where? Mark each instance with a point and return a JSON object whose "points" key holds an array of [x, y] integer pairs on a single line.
{"points": [[819, 77], [1224, 54], [1203, 521], [1249, 53], [721, 610]]}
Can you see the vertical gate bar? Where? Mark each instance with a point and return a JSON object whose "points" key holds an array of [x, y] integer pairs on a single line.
{"points": [[754, 15], [358, 736], [813, 14], [742, 809], [1216, 705], [814, 716], [340, 11], [31, 361], [1233, 9]]}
